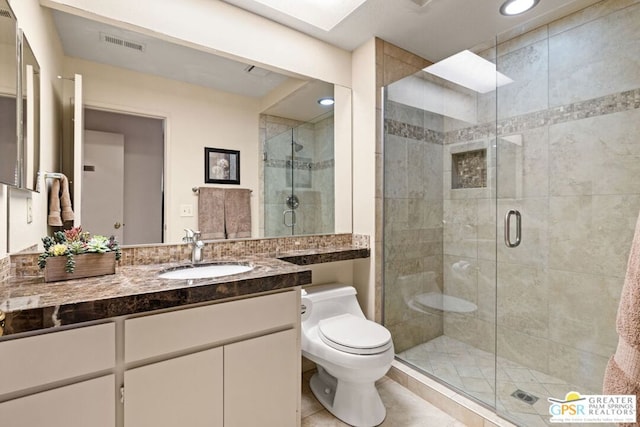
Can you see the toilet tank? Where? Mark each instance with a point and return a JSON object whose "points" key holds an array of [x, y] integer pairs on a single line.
{"points": [[324, 301]]}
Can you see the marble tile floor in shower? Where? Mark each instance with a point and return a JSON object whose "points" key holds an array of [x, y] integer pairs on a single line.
{"points": [[404, 409], [474, 371]]}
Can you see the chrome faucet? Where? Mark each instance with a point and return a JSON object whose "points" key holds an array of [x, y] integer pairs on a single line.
{"points": [[193, 238]]}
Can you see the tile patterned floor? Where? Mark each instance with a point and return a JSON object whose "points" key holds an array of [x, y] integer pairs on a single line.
{"points": [[474, 371], [404, 409]]}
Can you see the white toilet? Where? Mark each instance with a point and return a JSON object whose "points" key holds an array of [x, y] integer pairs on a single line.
{"points": [[351, 353]]}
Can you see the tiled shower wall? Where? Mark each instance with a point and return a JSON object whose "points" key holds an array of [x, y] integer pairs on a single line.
{"points": [[413, 209], [405, 245], [313, 175], [570, 162]]}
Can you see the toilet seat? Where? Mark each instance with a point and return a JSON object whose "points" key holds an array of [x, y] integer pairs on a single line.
{"points": [[354, 335]]}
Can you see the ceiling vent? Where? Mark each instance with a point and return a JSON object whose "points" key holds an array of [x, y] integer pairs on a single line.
{"points": [[119, 41], [256, 71], [5, 13]]}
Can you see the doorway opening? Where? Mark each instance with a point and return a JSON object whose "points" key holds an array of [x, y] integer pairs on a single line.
{"points": [[123, 170]]}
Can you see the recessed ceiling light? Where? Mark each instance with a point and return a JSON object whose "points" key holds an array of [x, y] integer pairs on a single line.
{"points": [[324, 14], [327, 101], [469, 70], [516, 7]]}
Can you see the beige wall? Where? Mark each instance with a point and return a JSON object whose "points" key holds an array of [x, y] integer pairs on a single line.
{"points": [[364, 160]]}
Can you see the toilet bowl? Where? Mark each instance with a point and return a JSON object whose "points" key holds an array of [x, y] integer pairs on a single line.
{"points": [[351, 354]]}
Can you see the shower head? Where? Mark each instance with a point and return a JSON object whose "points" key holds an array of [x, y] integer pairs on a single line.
{"points": [[296, 147]]}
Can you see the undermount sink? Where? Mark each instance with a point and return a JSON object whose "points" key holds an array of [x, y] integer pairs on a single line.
{"points": [[205, 271]]}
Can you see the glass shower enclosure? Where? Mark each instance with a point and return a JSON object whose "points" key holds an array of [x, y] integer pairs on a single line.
{"points": [[299, 179], [509, 213]]}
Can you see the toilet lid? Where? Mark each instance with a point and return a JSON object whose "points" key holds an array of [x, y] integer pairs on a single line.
{"points": [[354, 335]]}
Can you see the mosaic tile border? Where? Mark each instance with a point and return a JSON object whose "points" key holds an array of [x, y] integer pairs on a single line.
{"points": [[5, 268], [418, 133], [608, 104], [23, 264], [301, 165]]}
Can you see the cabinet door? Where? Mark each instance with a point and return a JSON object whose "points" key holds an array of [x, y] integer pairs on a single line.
{"points": [[185, 391], [89, 403], [262, 381]]}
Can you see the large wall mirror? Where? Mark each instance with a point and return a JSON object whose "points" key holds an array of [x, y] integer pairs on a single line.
{"points": [[19, 105], [8, 95], [194, 99]]}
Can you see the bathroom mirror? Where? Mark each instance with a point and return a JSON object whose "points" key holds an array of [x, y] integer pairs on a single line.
{"points": [[30, 138], [123, 72], [8, 90]]}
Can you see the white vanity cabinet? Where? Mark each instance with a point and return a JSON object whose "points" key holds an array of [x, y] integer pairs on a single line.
{"points": [[59, 379], [232, 364], [225, 364]]}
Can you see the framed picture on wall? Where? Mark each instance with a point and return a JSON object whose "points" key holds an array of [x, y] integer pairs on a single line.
{"points": [[221, 166]]}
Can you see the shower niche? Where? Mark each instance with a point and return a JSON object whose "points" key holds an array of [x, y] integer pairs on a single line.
{"points": [[469, 169]]}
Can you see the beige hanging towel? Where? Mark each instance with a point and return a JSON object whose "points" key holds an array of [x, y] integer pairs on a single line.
{"points": [[54, 218], [237, 212], [211, 213], [622, 375], [65, 200]]}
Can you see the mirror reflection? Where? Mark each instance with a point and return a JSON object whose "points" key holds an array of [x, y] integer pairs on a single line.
{"points": [[299, 177], [8, 90], [197, 100], [30, 87]]}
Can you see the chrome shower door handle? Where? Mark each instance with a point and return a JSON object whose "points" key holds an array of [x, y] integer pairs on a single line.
{"points": [[293, 218], [507, 228]]}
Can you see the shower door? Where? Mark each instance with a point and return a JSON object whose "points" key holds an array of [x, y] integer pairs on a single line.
{"points": [[568, 162], [440, 228], [509, 214], [280, 199]]}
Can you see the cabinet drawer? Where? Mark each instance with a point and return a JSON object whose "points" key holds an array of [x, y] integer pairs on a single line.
{"points": [[89, 403], [164, 333], [55, 356]]}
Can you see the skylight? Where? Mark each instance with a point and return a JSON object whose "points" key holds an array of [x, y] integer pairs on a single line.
{"points": [[469, 70], [324, 14]]}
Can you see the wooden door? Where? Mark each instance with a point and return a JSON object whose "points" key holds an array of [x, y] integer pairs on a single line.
{"points": [[103, 184]]}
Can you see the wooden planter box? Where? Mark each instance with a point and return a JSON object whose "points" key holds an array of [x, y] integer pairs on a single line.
{"points": [[87, 265]]}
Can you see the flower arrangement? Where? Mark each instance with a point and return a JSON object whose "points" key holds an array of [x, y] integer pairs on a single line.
{"points": [[75, 242]]}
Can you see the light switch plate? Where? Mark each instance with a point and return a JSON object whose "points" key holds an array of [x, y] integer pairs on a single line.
{"points": [[186, 210]]}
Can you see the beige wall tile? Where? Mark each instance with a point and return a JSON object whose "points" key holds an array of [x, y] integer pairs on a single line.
{"points": [[574, 314], [584, 58]]}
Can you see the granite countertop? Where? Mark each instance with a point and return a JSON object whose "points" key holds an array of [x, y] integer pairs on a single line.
{"points": [[315, 256], [30, 304]]}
